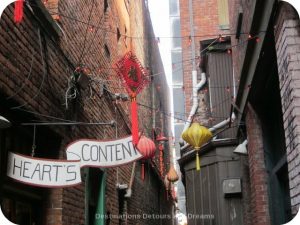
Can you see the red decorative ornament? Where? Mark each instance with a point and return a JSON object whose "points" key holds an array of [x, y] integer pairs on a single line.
{"points": [[130, 70], [147, 148], [18, 14]]}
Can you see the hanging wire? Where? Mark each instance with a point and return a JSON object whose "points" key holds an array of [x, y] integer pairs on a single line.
{"points": [[86, 32], [44, 74], [26, 79]]}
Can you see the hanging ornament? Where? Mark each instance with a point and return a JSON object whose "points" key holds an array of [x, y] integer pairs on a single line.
{"points": [[161, 139], [172, 174], [134, 76], [147, 148], [197, 135], [19, 5]]}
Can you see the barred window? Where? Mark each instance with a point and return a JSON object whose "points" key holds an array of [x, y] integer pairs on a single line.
{"points": [[223, 14]]}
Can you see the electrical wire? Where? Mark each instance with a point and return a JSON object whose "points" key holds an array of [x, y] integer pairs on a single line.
{"points": [[44, 74], [86, 32], [26, 79]]}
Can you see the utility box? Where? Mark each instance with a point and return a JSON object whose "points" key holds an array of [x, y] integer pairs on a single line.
{"points": [[232, 186]]}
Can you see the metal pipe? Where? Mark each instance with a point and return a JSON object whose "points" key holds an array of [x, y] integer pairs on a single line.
{"points": [[191, 12], [196, 89], [129, 189], [223, 123]]}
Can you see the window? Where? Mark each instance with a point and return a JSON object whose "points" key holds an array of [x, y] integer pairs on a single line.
{"points": [[223, 14]]}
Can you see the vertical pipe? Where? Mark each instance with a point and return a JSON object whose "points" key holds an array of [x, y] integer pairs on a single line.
{"points": [[191, 12]]}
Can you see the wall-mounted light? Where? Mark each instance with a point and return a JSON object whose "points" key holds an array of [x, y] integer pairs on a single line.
{"points": [[241, 149]]}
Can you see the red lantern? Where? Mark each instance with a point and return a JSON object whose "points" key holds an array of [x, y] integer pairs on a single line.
{"points": [[147, 148]]}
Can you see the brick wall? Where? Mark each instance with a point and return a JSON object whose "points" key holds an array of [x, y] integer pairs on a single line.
{"points": [[287, 38], [206, 27], [257, 171], [53, 59]]}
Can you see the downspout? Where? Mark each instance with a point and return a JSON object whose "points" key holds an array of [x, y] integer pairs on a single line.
{"points": [[196, 89], [200, 85], [223, 123]]}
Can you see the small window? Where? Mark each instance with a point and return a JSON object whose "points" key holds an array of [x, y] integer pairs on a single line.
{"points": [[105, 5], [223, 14], [107, 52]]}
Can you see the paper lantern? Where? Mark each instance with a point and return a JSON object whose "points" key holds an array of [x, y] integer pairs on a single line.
{"points": [[147, 148], [197, 135], [172, 175]]}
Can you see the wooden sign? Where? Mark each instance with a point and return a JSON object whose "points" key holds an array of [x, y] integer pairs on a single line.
{"points": [[65, 173]]}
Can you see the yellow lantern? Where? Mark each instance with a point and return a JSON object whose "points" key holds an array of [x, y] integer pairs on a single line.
{"points": [[197, 135]]}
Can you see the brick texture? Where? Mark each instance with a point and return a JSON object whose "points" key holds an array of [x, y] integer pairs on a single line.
{"points": [[288, 58], [257, 171], [32, 46]]}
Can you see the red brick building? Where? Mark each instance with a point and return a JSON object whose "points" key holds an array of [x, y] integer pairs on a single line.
{"points": [[263, 43], [37, 60]]}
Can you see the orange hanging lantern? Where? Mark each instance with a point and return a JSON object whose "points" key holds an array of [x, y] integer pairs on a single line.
{"points": [[134, 76], [197, 135], [147, 148], [172, 174]]}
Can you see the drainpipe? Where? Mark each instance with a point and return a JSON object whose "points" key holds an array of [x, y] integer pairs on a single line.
{"points": [[196, 87], [223, 123]]}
